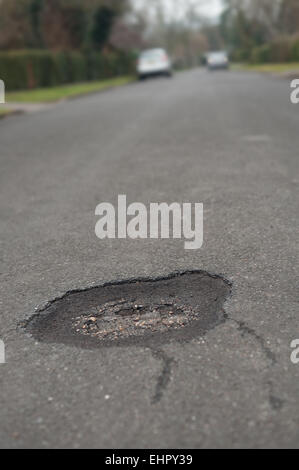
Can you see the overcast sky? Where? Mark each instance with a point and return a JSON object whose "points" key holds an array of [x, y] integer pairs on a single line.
{"points": [[213, 8], [176, 8]]}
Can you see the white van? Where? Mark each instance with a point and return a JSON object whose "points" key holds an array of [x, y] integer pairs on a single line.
{"points": [[154, 62]]}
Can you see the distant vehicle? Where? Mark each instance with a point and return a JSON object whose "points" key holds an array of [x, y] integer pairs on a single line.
{"points": [[218, 60], [154, 62]]}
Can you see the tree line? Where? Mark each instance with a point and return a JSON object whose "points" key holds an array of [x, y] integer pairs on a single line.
{"points": [[261, 30], [57, 24], [251, 30]]}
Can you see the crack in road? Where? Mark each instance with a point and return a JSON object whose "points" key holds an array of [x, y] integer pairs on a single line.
{"points": [[164, 378], [246, 330], [275, 402]]}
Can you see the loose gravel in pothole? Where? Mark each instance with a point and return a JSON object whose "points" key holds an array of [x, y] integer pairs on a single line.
{"points": [[125, 319], [144, 312]]}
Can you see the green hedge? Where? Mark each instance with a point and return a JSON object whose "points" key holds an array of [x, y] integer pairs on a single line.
{"points": [[283, 49], [28, 69], [295, 50]]}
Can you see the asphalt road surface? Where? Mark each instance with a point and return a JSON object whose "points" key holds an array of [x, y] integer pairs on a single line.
{"points": [[228, 140]]}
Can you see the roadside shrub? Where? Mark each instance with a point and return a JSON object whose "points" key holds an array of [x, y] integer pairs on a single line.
{"points": [[126, 63], [295, 49], [261, 54], [13, 70], [78, 67], [28, 69], [241, 55], [282, 49]]}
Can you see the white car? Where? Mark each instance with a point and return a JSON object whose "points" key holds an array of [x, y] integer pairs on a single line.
{"points": [[218, 60], [154, 62]]}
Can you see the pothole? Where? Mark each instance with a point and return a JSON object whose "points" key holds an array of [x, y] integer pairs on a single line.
{"points": [[149, 312]]}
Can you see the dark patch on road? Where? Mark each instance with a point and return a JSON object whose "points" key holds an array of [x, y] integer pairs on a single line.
{"points": [[276, 403], [164, 378], [147, 313]]}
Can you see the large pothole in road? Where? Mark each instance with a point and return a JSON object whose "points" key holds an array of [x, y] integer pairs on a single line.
{"points": [[142, 312]]}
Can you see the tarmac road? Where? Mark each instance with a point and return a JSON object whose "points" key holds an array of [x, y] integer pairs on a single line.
{"points": [[228, 140]]}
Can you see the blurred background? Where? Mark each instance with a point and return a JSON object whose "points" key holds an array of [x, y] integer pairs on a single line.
{"points": [[44, 43]]}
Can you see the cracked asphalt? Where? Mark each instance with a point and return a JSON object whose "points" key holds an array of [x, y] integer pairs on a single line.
{"points": [[228, 140]]}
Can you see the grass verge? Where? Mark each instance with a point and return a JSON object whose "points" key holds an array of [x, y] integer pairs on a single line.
{"points": [[5, 112], [47, 95], [269, 68]]}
